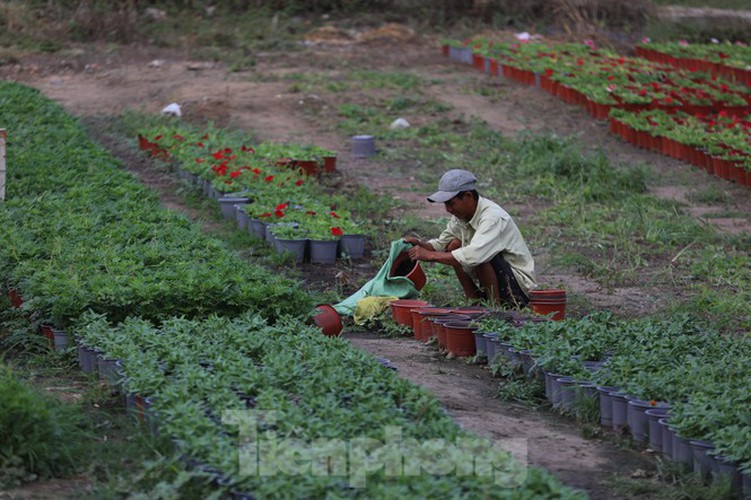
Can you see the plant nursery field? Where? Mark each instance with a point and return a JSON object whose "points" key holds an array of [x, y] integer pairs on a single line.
{"points": [[156, 337]]}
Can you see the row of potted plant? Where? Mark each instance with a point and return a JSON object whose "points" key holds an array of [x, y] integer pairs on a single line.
{"points": [[602, 81], [301, 217], [719, 144], [80, 233], [582, 74], [729, 60], [630, 368], [219, 385]]}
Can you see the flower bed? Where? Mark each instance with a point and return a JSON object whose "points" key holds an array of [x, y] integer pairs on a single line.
{"points": [[283, 195], [731, 61], [710, 114]]}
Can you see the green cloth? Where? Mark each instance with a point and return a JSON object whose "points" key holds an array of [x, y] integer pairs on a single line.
{"points": [[382, 284]]}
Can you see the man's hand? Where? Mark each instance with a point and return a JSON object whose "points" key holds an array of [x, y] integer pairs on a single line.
{"points": [[418, 253], [412, 240]]}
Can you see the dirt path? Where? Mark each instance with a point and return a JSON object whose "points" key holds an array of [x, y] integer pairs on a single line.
{"points": [[468, 392], [90, 85]]}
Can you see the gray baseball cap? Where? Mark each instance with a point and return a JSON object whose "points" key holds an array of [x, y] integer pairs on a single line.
{"points": [[452, 183]]}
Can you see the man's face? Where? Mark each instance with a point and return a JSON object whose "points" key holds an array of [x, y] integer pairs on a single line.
{"points": [[462, 206]]}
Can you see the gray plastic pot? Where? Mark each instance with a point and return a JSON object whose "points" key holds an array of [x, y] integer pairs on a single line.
{"points": [[555, 390], [241, 218], [638, 422], [728, 470], [568, 387], [107, 370], [702, 460], [363, 146], [682, 451], [491, 346], [353, 245], [620, 410], [296, 247], [655, 429], [60, 340], [606, 405], [481, 343], [322, 251], [667, 438]]}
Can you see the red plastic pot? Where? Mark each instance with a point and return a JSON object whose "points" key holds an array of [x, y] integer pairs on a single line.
{"points": [[422, 323], [460, 338], [401, 310], [328, 320], [404, 266]]}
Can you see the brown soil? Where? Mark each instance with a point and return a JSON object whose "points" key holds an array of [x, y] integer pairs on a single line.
{"points": [[90, 83]]}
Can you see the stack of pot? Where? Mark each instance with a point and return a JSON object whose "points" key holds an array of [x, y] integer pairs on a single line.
{"points": [[548, 302]]}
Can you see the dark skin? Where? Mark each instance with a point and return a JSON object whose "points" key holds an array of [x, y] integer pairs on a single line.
{"points": [[463, 207]]}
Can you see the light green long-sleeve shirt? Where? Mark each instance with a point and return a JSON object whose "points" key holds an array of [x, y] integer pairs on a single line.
{"points": [[490, 231]]}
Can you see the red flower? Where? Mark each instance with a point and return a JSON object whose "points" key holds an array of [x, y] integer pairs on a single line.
{"points": [[199, 160], [333, 214], [178, 137], [269, 178], [256, 171], [279, 213], [282, 206], [205, 136], [199, 144], [548, 72], [228, 182], [611, 78], [218, 155], [310, 212], [299, 182], [235, 174], [249, 150], [158, 137], [335, 231], [267, 214], [652, 403], [643, 92]]}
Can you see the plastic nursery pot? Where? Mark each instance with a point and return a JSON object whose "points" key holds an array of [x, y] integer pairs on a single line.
{"points": [[460, 338], [548, 302], [440, 329], [423, 323], [401, 310], [473, 311], [420, 324], [328, 320], [410, 269]]}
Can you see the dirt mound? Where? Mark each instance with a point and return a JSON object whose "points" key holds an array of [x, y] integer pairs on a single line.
{"points": [[391, 32], [330, 35], [388, 33]]}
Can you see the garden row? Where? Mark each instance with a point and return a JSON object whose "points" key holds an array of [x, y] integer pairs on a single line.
{"points": [[671, 383], [730, 61], [610, 85], [271, 189], [189, 332]]}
